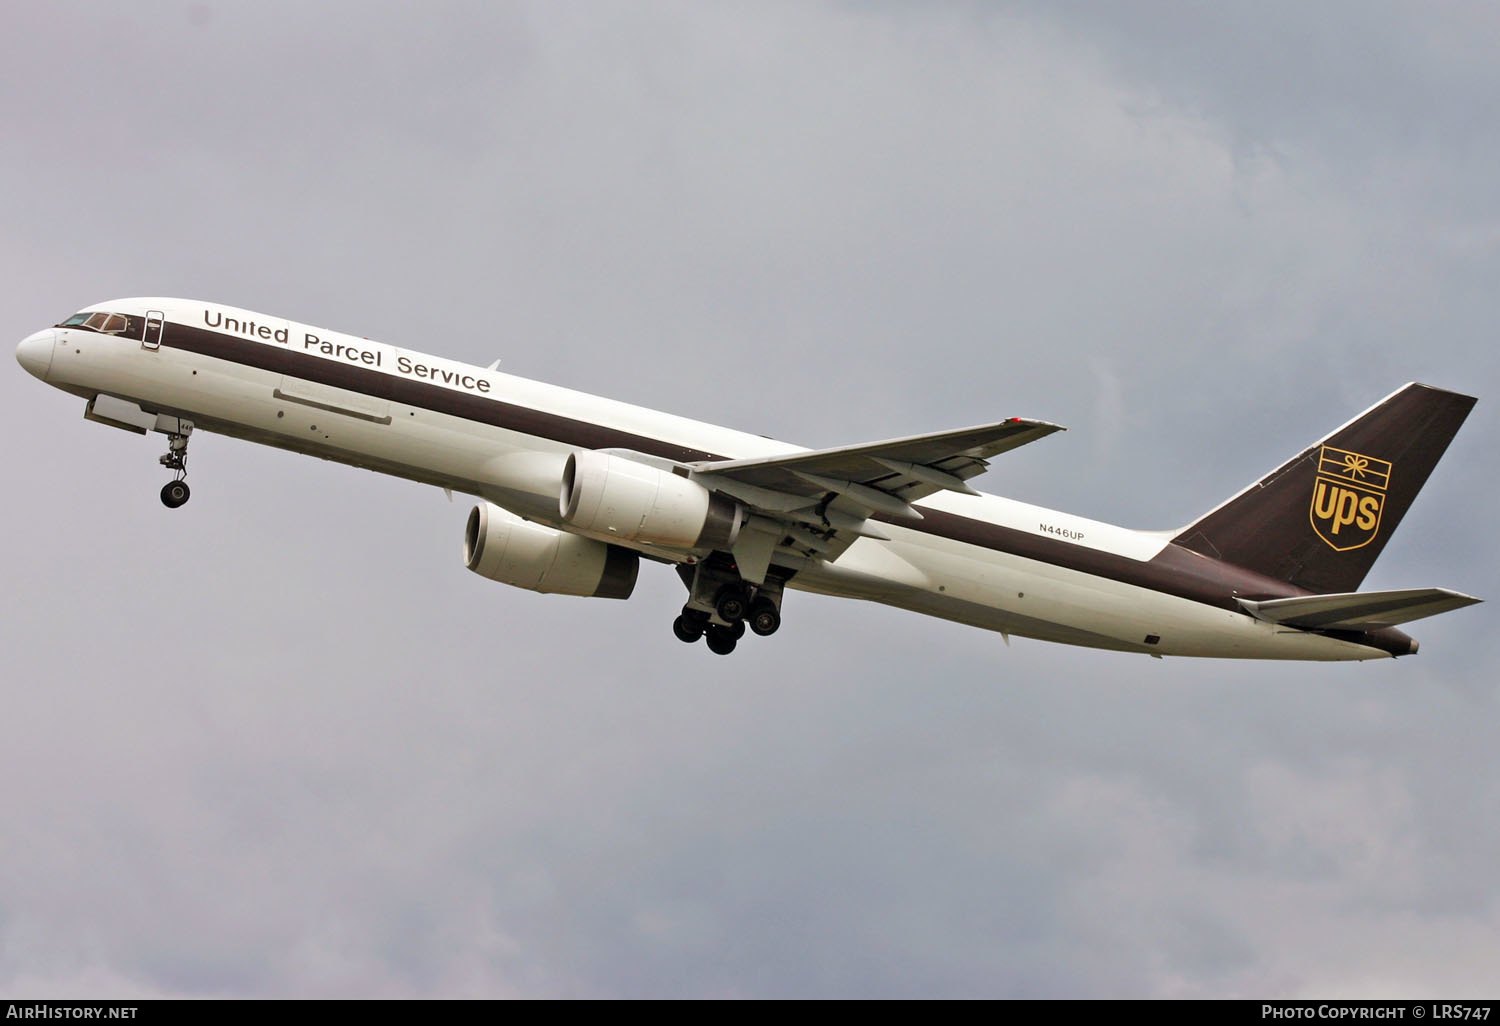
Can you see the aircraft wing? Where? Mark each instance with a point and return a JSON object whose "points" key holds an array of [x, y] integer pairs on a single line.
{"points": [[816, 503], [902, 469], [1358, 611]]}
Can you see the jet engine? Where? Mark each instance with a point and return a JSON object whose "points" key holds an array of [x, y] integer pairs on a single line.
{"points": [[611, 495], [503, 547]]}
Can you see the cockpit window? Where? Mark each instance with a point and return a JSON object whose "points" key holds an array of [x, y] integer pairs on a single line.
{"points": [[108, 323], [105, 323]]}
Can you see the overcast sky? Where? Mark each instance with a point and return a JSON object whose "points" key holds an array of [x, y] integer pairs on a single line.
{"points": [[281, 743]]}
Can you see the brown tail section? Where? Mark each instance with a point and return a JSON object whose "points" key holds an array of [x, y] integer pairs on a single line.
{"points": [[1321, 520]]}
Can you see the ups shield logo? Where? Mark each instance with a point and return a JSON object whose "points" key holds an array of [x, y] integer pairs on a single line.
{"points": [[1347, 497]]}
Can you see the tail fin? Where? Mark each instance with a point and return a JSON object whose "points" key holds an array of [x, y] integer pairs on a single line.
{"points": [[1321, 519]]}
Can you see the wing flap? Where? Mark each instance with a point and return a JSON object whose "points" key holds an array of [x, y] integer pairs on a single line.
{"points": [[1358, 611]]}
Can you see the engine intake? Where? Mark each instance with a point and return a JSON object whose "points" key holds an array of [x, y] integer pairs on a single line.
{"points": [[611, 495], [502, 547]]}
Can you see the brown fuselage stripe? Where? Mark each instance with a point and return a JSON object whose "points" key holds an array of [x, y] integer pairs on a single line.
{"points": [[1175, 571]]}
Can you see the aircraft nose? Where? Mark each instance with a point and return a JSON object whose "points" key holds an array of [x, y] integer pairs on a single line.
{"points": [[35, 353]]}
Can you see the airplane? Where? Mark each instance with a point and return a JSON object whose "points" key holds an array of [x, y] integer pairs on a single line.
{"points": [[575, 490]]}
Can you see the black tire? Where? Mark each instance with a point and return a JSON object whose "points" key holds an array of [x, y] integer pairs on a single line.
{"points": [[730, 604], [687, 630], [175, 493], [765, 618], [737, 629], [720, 640]]}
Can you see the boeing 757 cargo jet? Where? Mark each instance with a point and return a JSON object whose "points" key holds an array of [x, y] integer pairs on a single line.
{"points": [[575, 490]]}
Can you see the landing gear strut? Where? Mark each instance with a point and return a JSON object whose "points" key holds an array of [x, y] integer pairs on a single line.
{"points": [[175, 492]]}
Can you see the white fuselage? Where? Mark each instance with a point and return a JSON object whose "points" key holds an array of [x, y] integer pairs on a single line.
{"points": [[515, 468]]}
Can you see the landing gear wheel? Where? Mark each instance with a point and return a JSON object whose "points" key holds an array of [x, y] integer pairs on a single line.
{"points": [[730, 604], [765, 618], [721, 640], [687, 630], [737, 630], [174, 494]]}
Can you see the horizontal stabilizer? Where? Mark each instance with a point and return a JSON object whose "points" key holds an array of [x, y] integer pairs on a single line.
{"points": [[1358, 611]]}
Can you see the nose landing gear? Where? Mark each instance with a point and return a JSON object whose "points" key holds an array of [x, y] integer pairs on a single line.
{"points": [[176, 492]]}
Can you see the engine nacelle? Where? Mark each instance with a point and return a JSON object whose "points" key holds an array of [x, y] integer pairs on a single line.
{"points": [[632, 501], [503, 547]]}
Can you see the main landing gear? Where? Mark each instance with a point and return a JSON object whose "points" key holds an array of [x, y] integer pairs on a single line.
{"points": [[722, 606], [176, 492]]}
